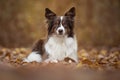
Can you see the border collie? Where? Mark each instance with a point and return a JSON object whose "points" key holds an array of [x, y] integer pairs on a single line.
{"points": [[61, 41]]}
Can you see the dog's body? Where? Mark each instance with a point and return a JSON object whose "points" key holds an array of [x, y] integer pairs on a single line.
{"points": [[61, 42]]}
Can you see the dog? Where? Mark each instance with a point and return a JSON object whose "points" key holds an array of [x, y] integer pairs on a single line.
{"points": [[61, 42]]}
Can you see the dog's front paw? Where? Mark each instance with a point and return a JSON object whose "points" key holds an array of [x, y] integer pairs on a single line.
{"points": [[51, 61]]}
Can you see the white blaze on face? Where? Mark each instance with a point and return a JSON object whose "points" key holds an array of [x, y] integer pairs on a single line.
{"points": [[61, 27]]}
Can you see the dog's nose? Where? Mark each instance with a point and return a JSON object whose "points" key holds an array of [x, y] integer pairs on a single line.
{"points": [[60, 31]]}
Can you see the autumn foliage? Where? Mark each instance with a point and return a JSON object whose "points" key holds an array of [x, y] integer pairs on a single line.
{"points": [[94, 63], [97, 26], [23, 22]]}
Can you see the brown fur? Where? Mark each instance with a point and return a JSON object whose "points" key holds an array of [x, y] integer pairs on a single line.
{"points": [[53, 22]]}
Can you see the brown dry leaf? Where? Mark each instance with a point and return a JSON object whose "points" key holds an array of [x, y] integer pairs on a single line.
{"points": [[94, 59]]}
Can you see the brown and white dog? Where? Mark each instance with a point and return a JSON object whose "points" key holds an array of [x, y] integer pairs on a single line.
{"points": [[61, 41]]}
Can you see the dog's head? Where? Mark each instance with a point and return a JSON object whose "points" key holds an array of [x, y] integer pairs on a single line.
{"points": [[60, 25]]}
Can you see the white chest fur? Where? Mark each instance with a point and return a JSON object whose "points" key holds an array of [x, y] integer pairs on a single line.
{"points": [[59, 48]]}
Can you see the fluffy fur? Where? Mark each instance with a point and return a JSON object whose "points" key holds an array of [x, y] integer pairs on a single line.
{"points": [[61, 41], [34, 56], [59, 48]]}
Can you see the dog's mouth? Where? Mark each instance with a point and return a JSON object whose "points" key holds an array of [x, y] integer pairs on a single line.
{"points": [[60, 33]]}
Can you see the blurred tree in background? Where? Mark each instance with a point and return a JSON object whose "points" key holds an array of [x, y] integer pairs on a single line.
{"points": [[22, 21]]}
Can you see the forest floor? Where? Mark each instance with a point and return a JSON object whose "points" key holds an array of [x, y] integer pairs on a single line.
{"points": [[94, 64]]}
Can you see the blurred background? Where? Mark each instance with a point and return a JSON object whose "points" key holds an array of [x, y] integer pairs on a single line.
{"points": [[22, 22]]}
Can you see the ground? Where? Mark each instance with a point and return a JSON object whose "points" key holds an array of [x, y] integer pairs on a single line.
{"points": [[94, 64]]}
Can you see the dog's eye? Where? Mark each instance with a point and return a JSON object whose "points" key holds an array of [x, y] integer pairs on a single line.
{"points": [[65, 24], [57, 22]]}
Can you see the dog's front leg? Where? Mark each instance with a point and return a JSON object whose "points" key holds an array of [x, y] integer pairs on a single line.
{"points": [[37, 52]]}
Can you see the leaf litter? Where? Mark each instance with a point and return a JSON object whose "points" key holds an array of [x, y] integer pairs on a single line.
{"points": [[94, 64]]}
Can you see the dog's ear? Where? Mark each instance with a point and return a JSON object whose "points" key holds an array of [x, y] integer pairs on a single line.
{"points": [[49, 14], [71, 12]]}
